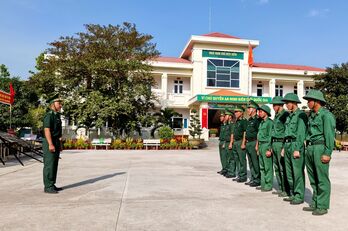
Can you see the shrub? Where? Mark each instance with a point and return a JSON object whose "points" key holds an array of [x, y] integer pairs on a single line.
{"points": [[116, 143], [213, 131], [165, 132]]}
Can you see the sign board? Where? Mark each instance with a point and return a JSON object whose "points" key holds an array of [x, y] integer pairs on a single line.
{"points": [[233, 99], [222, 54], [5, 97]]}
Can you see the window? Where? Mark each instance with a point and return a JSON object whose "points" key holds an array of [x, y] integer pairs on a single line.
{"points": [[295, 89], [307, 89], [177, 122], [259, 89], [279, 90], [222, 73], [178, 86]]}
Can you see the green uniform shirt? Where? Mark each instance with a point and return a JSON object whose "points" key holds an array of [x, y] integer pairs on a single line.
{"points": [[296, 128], [222, 132], [265, 131], [228, 131], [279, 124], [53, 122], [252, 128], [321, 127], [239, 129]]}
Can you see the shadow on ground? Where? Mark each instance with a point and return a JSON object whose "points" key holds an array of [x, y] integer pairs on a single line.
{"points": [[93, 180]]}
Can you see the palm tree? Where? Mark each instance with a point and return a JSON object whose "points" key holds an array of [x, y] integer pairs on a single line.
{"points": [[163, 118]]}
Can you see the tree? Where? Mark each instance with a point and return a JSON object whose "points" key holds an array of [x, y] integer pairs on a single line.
{"points": [[103, 73], [334, 85], [195, 125], [25, 98], [163, 118]]}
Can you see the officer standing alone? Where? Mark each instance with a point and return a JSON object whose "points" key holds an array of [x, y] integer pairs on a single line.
{"points": [[51, 144]]}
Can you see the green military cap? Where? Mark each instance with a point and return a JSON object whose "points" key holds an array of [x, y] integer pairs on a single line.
{"points": [[266, 109], [291, 97], [228, 112], [277, 100], [253, 104], [239, 108], [222, 113], [315, 95], [53, 99]]}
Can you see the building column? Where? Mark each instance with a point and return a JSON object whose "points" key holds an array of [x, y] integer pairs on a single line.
{"points": [[272, 83], [164, 85], [203, 116], [300, 89]]}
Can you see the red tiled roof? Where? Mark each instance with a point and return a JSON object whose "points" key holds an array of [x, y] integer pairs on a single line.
{"points": [[172, 60], [287, 66], [226, 93], [219, 35]]}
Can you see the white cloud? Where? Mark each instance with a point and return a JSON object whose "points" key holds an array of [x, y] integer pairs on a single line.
{"points": [[318, 12]]}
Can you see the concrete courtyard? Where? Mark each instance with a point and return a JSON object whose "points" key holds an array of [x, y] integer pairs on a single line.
{"points": [[155, 190]]}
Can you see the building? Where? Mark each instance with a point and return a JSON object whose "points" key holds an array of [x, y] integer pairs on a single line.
{"points": [[212, 72]]}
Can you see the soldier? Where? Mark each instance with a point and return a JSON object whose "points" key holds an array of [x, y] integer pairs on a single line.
{"points": [[293, 151], [265, 149], [251, 140], [277, 145], [231, 153], [320, 143], [222, 151], [51, 144], [239, 141]]}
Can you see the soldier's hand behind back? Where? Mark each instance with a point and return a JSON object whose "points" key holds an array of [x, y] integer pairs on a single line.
{"points": [[325, 159]]}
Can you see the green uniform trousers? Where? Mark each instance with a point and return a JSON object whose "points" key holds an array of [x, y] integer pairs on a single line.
{"points": [[279, 167], [223, 155], [50, 163], [231, 159], [253, 160], [242, 173], [318, 174], [266, 167], [295, 171]]}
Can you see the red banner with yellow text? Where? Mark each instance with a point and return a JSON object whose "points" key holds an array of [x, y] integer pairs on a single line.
{"points": [[5, 98]]}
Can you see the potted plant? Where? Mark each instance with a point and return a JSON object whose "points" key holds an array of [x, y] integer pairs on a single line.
{"points": [[213, 132], [195, 129]]}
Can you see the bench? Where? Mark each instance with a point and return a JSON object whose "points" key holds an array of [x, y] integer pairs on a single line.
{"points": [[101, 142], [344, 146], [152, 142]]}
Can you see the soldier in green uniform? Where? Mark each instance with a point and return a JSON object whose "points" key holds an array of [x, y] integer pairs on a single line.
{"points": [[265, 149], [320, 143], [231, 157], [222, 151], [277, 145], [293, 151], [239, 141], [51, 144], [251, 139]]}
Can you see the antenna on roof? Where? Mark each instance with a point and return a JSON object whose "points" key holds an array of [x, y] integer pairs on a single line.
{"points": [[210, 16]]}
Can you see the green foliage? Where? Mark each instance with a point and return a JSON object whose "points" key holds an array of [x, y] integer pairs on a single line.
{"points": [[213, 131], [334, 85], [103, 73], [166, 132], [35, 117], [195, 125], [163, 118], [25, 98]]}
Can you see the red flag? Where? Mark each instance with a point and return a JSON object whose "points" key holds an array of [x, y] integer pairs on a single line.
{"points": [[12, 93], [251, 57]]}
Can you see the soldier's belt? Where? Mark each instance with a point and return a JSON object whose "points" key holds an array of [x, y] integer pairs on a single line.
{"points": [[315, 142], [289, 140], [251, 139], [263, 142], [277, 140]]}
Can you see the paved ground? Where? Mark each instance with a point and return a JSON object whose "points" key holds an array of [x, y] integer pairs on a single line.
{"points": [[155, 190]]}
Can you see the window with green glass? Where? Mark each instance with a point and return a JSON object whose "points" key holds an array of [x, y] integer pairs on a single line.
{"points": [[223, 73]]}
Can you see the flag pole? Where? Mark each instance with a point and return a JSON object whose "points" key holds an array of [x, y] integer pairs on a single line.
{"points": [[10, 116]]}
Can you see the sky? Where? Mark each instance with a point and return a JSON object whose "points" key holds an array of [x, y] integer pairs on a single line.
{"points": [[303, 32]]}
